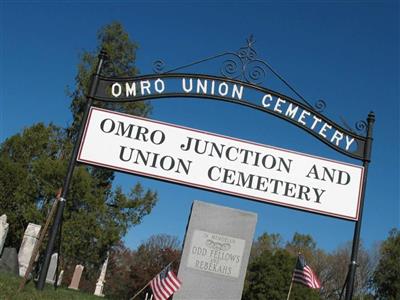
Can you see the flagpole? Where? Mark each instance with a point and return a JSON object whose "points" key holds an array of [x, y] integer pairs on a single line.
{"points": [[291, 282], [138, 293], [290, 288]]}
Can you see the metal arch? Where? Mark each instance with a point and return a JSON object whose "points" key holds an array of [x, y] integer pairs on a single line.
{"points": [[105, 81]]}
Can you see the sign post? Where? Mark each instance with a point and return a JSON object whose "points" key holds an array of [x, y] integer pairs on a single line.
{"points": [[67, 181], [357, 228]]}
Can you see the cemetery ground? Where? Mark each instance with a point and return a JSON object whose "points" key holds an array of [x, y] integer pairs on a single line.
{"points": [[9, 291]]}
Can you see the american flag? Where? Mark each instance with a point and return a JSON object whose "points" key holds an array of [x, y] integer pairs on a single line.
{"points": [[165, 284], [304, 275]]}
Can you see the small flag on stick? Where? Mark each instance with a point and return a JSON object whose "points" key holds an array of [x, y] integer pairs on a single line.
{"points": [[304, 274], [165, 284]]}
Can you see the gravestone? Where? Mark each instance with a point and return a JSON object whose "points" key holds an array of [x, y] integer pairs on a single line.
{"points": [[76, 278], [60, 277], [9, 261], [100, 282], [3, 231], [216, 252], [28, 243], [51, 273]]}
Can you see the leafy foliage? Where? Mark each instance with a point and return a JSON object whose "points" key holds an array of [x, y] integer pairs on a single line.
{"points": [[269, 276], [30, 173], [266, 242], [386, 278], [121, 53]]}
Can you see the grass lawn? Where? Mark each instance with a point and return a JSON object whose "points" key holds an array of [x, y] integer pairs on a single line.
{"points": [[9, 291]]}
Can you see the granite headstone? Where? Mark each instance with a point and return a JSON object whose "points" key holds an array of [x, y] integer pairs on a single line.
{"points": [[216, 251]]}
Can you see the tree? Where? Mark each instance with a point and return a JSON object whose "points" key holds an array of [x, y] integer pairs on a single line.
{"points": [[333, 269], [30, 173], [302, 243], [266, 242], [269, 276], [386, 278], [131, 270], [118, 283], [33, 165], [152, 256], [121, 53]]}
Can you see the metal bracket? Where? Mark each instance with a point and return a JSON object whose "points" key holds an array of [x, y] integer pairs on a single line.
{"points": [[354, 263]]}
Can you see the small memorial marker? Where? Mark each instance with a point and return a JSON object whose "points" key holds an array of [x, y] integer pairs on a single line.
{"points": [[51, 273], [76, 278]]}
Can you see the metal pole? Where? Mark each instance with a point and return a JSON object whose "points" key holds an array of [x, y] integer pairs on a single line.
{"points": [[59, 253], [357, 229], [344, 285], [71, 166]]}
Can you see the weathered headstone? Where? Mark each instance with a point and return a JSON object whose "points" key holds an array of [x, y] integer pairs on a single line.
{"points": [[3, 231], [100, 282], [9, 261], [76, 278], [51, 273], [28, 243], [60, 277], [216, 251]]}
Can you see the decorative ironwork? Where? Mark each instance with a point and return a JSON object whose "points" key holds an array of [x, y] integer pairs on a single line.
{"points": [[244, 64], [231, 67], [158, 66], [248, 52], [320, 105], [361, 126]]}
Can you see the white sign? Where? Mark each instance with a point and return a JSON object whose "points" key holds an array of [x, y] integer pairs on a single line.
{"points": [[222, 164], [216, 253]]}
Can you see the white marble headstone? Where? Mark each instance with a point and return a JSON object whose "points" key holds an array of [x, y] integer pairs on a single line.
{"points": [[28, 244], [3, 231], [60, 278], [51, 273]]}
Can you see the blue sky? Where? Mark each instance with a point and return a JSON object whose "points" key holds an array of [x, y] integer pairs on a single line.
{"points": [[345, 52]]}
